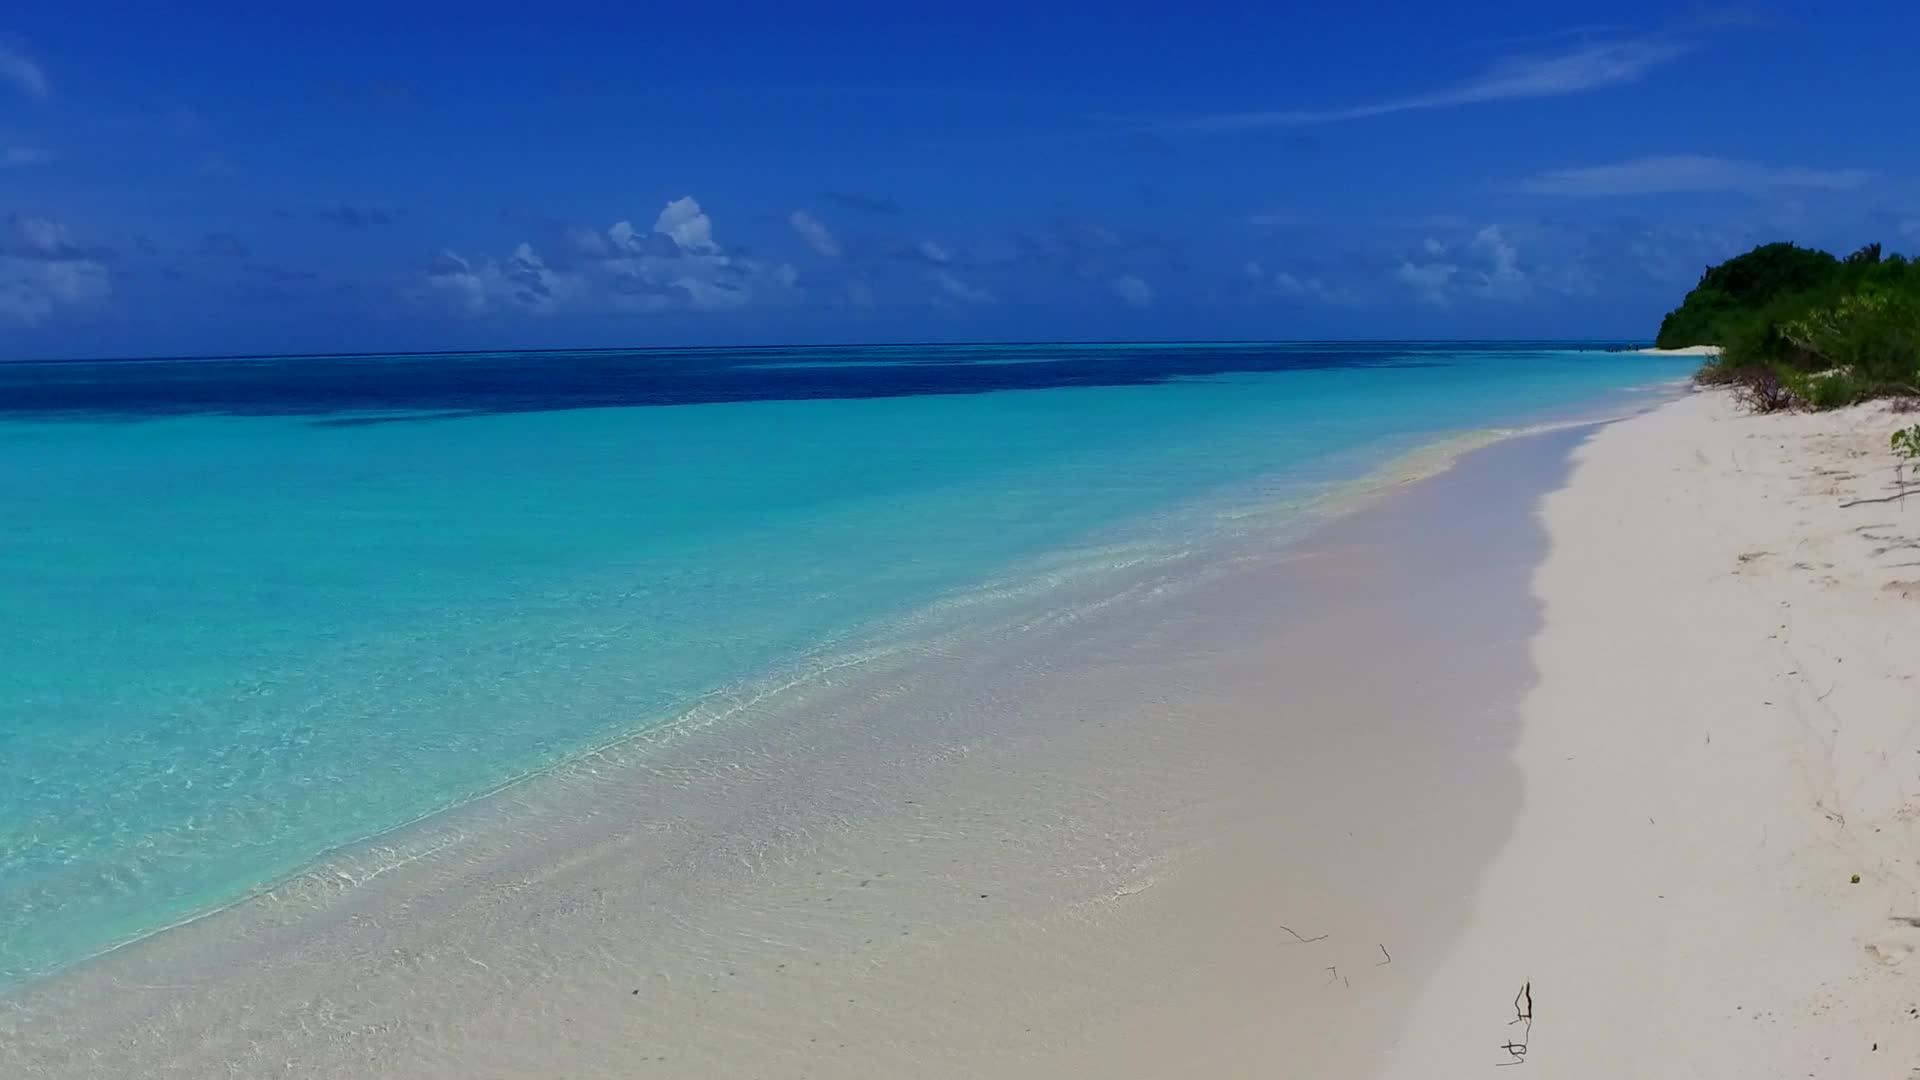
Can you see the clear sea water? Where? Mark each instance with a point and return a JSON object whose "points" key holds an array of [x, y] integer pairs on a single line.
{"points": [[255, 609]]}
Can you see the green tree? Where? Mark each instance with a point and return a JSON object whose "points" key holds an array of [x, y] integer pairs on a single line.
{"points": [[1733, 291]]}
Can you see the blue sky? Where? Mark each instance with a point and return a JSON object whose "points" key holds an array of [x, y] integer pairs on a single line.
{"points": [[247, 178]]}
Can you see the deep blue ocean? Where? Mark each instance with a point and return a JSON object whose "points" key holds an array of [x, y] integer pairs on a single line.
{"points": [[253, 609]]}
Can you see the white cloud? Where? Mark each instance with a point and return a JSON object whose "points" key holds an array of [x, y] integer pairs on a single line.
{"points": [[36, 237], [1294, 286], [20, 70], [43, 273], [1488, 267], [1500, 276], [1429, 281], [621, 239], [1549, 261], [677, 266], [1589, 66], [1136, 292], [687, 225], [585, 241], [535, 286], [692, 291], [1312, 289], [860, 294], [31, 292], [1680, 173], [932, 252], [1298, 288], [454, 277], [816, 234], [952, 289]]}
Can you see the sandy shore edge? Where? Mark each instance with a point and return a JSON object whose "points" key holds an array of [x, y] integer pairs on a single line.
{"points": [[1687, 350], [1725, 730]]}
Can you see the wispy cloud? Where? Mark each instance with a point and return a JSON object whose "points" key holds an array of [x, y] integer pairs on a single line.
{"points": [[1134, 290], [1681, 173], [953, 289], [19, 69], [816, 234], [1589, 66], [43, 272]]}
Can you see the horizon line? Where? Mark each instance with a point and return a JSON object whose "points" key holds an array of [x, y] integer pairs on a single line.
{"points": [[404, 353]]}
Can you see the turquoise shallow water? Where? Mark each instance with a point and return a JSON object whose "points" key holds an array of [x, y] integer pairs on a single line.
{"points": [[260, 608]]}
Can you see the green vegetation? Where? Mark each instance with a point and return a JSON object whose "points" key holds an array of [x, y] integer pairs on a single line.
{"points": [[1906, 443], [1800, 328]]}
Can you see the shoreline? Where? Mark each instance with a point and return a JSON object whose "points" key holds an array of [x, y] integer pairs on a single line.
{"points": [[1685, 350], [1711, 870], [1298, 520], [1128, 755]]}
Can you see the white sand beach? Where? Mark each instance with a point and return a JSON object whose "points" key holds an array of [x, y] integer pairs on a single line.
{"points": [[1685, 350], [1724, 732]]}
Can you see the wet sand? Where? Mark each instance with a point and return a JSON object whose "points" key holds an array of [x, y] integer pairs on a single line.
{"points": [[1222, 825]]}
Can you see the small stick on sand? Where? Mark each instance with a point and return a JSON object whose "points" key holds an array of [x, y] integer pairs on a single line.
{"points": [[1522, 1014]]}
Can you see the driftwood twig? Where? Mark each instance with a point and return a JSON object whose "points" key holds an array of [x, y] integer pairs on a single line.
{"points": [[1522, 1014]]}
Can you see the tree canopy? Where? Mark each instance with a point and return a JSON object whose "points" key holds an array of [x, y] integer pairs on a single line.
{"points": [[1731, 291]]}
